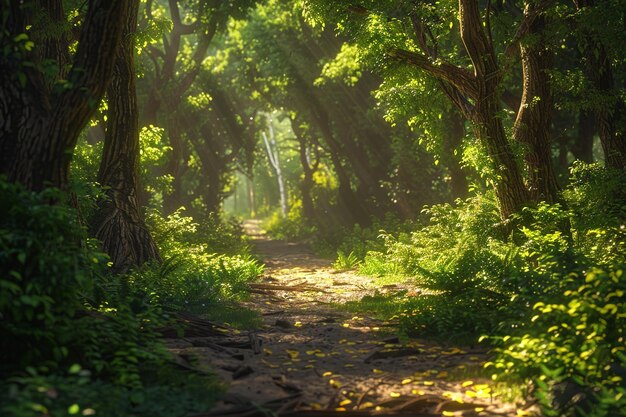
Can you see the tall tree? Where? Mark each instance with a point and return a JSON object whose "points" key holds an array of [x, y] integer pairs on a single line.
{"points": [[41, 115], [117, 223]]}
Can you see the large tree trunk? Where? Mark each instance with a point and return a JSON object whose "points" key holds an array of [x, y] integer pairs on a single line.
{"points": [[534, 119], [509, 186], [117, 222], [39, 127]]}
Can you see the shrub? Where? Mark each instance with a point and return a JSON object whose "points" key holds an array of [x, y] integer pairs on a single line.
{"points": [[574, 348], [60, 310], [47, 267], [292, 227], [193, 277]]}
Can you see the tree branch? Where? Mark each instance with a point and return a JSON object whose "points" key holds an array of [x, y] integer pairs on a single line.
{"points": [[445, 71]]}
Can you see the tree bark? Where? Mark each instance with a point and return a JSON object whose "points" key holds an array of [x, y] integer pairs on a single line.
{"points": [[508, 184], [117, 222], [39, 128], [534, 118]]}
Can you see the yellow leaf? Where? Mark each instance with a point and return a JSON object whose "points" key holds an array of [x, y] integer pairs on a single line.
{"points": [[367, 405], [292, 353], [448, 413], [417, 392], [467, 383], [428, 383], [308, 366], [346, 325], [378, 371], [394, 394], [340, 409], [348, 365], [334, 384], [479, 409], [406, 381], [328, 373], [345, 402], [298, 324]]}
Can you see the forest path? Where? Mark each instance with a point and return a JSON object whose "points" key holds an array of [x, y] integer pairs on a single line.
{"points": [[314, 358]]}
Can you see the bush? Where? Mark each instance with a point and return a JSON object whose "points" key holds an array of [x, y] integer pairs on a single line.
{"points": [[292, 227], [573, 349], [47, 267], [76, 391], [193, 277], [60, 311]]}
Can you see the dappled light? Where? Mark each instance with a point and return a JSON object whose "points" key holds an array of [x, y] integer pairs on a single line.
{"points": [[312, 208]]}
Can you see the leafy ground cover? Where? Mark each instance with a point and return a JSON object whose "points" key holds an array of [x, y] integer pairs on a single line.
{"points": [[545, 290], [77, 340]]}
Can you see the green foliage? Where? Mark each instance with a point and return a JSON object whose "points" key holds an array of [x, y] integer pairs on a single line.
{"points": [[597, 197], [46, 269], [574, 345], [193, 277], [60, 310], [77, 392], [154, 154], [177, 234], [292, 227], [471, 268], [525, 285], [346, 262]]}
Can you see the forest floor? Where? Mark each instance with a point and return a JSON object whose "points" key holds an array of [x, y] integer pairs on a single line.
{"points": [[310, 357]]}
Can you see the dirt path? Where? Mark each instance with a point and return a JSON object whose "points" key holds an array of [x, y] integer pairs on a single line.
{"points": [[313, 356]]}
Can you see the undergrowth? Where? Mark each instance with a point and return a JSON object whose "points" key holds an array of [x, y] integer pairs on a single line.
{"points": [[77, 340], [547, 288]]}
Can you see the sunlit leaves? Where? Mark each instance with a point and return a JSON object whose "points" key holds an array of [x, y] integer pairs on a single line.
{"points": [[346, 66]]}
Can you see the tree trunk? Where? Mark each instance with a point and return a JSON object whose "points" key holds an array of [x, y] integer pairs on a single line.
{"points": [[117, 222], [509, 186], [534, 119], [39, 128]]}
